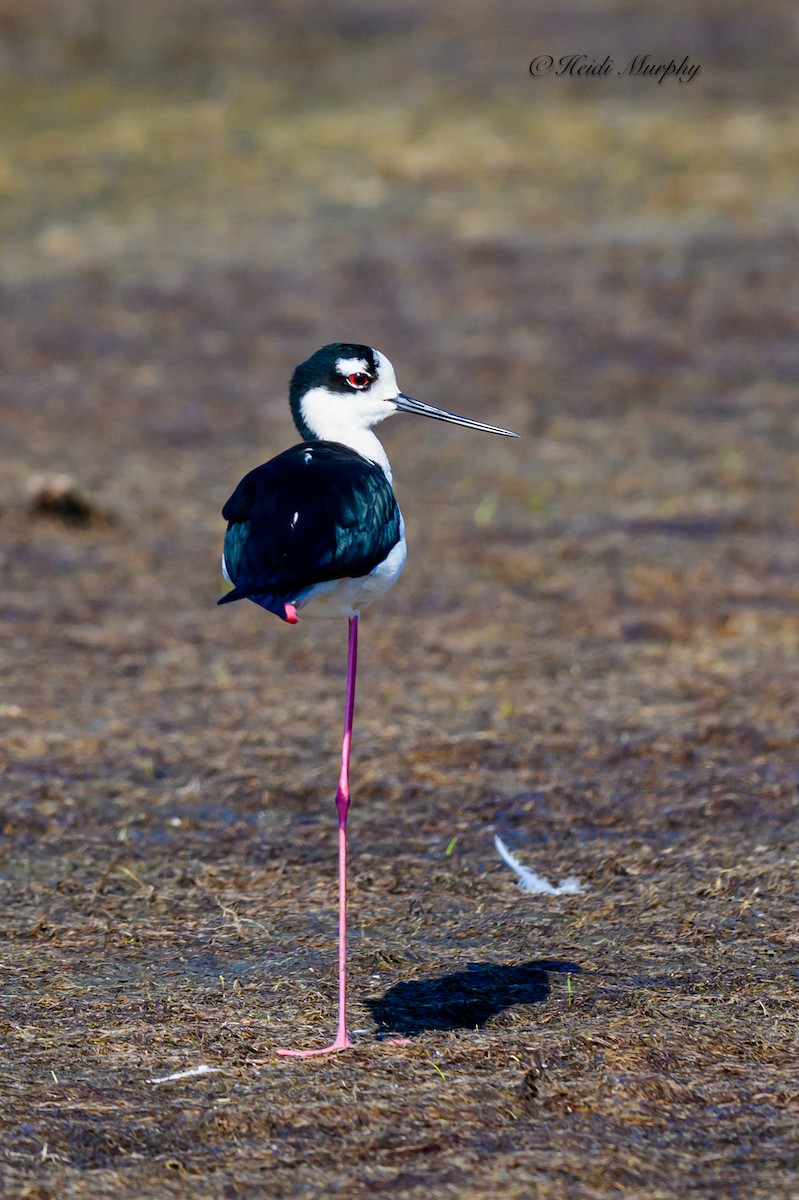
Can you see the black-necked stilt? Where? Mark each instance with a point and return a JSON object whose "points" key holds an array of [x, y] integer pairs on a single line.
{"points": [[319, 526]]}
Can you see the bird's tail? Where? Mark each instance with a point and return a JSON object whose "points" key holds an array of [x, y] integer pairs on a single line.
{"points": [[231, 596], [268, 600]]}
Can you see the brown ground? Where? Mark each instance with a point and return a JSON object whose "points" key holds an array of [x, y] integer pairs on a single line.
{"points": [[593, 651]]}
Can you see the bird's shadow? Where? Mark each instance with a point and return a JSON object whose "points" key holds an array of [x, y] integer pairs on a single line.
{"points": [[464, 999]]}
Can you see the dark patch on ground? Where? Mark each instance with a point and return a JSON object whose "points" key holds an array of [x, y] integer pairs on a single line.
{"points": [[463, 999]]}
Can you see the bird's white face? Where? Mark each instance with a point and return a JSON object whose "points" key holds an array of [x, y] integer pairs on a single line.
{"points": [[380, 383], [361, 395], [345, 389]]}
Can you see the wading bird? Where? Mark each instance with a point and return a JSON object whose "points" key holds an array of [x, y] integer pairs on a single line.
{"points": [[319, 527]]}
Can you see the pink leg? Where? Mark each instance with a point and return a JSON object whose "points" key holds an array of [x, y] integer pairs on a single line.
{"points": [[342, 805]]}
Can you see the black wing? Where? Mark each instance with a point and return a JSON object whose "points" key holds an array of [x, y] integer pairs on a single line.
{"points": [[317, 512]]}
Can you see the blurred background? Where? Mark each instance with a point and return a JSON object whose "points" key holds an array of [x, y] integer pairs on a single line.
{"points": [[197, 195]]}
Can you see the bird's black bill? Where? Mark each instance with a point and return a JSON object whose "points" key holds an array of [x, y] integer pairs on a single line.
{"points": [[409, 405]]}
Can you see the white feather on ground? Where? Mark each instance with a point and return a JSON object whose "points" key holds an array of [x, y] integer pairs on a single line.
{"points": [[203, 1069], [530, 881]]}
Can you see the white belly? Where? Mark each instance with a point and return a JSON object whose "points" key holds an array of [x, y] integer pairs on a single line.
{"points": [[346, 597]]}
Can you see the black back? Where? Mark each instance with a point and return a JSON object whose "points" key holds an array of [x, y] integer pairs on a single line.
{"points": [[317, 512]]}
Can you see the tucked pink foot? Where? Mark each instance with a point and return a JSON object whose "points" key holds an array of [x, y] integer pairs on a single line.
{"points": [[292, 616]]}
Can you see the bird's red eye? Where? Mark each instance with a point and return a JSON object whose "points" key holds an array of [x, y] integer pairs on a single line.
{"points": [[359, 380]]}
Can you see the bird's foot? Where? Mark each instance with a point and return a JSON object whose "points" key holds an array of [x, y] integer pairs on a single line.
{"points": [[291, 614], [342, 1042]]}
